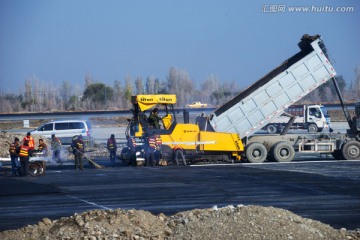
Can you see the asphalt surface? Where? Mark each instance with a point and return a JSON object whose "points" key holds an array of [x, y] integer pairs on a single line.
{"points": [[324, 190]]}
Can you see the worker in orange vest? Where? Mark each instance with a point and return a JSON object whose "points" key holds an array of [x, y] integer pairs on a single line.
{"points": [[112, 147], [157, 153], [30, 140], [150, 146], [131, 144], [24, 153]]}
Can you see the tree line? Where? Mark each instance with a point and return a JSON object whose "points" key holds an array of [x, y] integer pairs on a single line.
{"points": [[37, 96]]}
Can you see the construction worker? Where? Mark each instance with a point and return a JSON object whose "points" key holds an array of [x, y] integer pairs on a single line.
{"points": [[24, 153], [14, 155], [154, 118], [56, 148], [131, 144], [79, 149], [150, 146], [112, 147], [30, 140], [43, 148], [157, 153]]}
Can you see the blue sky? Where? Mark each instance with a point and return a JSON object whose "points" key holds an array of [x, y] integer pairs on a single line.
{"points": [[63, 40]]}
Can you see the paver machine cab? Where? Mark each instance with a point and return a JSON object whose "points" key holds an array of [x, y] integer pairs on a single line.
{"points": [[177, 138]]}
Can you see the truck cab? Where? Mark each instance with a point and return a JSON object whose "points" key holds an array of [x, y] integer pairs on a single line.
{"points": [[313, 118], [317, 118]]}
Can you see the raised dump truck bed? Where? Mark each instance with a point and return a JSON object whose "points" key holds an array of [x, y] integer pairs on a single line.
{"points": [[267, 98]]}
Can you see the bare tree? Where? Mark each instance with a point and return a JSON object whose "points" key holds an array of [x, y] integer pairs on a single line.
{"points": [[65, 93], [118, 94], [150, 85], [208, 87], [88, 80], [356, 87], [127, 92], [139, 85], [179, 83]]}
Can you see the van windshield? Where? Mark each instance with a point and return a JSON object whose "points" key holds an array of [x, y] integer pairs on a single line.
{"points": [[46, 127]]}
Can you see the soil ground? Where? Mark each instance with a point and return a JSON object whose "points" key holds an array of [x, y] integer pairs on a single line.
{"points": [[231, 222], [240, 222]]}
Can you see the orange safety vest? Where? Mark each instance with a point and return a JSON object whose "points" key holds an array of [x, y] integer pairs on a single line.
{"points": [[79, 145], [12, 149], [152, 142], [133, 142], [24, 151], [111, 144], [31, 141], [158, 141]]}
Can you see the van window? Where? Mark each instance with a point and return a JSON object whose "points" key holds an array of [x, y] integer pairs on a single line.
{"points": [[61, 126], [69, 125], [46, 127], [76, 125]]}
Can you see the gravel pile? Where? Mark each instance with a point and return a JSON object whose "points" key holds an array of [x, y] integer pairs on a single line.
{"points": [[240, 222]]}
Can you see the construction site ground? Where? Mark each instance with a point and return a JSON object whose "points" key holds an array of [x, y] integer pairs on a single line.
{"points": [[309, 198], [299, 200]]}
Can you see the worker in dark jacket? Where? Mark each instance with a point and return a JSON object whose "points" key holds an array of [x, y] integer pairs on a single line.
{"points": [[112, 147], [79, 149], [131, 144], [14, 155], [43, 148], [154, 119], [150, 146], [24, 153], [56, 147]]}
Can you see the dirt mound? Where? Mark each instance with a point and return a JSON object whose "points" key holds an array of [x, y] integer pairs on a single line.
{"points": [[240, 222]]}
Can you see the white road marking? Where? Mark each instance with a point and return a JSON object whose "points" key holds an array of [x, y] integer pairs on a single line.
{"points": [[91, 203], [273, 163]]}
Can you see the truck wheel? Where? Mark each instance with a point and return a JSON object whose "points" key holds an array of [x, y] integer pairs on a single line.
{"points": [[351, 150], [312, 128], [283, 152], [255, 152], [179, 157], [271, 129], [36, 169]]}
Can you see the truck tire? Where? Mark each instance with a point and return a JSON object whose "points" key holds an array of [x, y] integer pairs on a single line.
{"points": [[179, 157], [312, 128], [283, 152], [255, 152], [351, 150], [36, 169], [271, 129]]}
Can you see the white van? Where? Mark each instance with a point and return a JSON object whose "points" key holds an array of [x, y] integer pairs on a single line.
{"points": [[64, 129]]}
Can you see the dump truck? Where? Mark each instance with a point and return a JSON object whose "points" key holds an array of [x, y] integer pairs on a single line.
{"points": [[313, 118], [228, 134], [266, 99]]}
